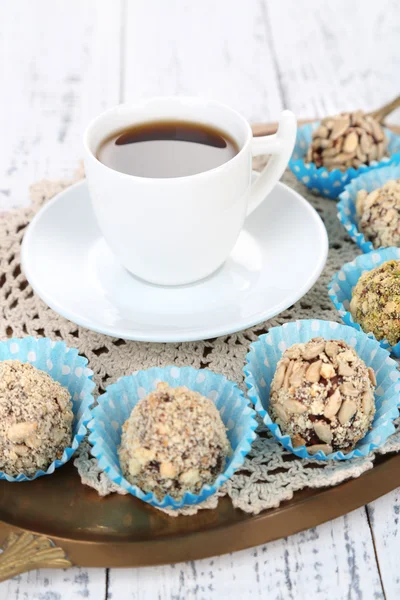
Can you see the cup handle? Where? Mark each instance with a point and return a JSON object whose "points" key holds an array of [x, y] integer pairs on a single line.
{"points": [[280, 145]]}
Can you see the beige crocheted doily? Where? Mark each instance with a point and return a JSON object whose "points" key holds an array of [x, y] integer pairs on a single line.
{"points": [[269, 474]]}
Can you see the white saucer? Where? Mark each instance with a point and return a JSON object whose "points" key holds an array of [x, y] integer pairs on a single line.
{"points": [[278, 257]]}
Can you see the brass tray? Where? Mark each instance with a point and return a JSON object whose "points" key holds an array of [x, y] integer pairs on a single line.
{"points": [[57, 522]]}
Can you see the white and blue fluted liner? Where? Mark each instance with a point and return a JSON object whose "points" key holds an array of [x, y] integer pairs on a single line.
{"points": [[117, 403], [332, 183], [266, 352], [347, 214], [64, 365], [341, 286]]}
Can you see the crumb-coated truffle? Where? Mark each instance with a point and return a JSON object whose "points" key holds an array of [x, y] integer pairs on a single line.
{"points": [[347, 140], [35, 419], [379, 214], [173, 442], [322, 395], [375, 302]]}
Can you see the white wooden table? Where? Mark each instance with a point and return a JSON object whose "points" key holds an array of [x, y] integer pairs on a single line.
{"points": [[63, 62]]}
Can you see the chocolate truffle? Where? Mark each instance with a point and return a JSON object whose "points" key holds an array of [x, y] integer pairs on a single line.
{"points": [[347, 140], [35, 419], [173, 442], [322, 395], [379, 214], [375, 302]]}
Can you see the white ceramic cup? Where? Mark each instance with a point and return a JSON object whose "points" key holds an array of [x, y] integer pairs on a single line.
{"points": [[178, 230]]}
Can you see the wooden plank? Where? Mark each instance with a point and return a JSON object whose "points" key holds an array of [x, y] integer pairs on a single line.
{"points": [[59, 67], [48, 584], [218, 49], [334, 56], [384, 520], [334, 560]]}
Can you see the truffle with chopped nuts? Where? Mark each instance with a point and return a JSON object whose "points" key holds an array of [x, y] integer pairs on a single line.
{"points": [[322, 395], [379, 214], [173, 442], [375, 302], [347, 140], [35, 419]]}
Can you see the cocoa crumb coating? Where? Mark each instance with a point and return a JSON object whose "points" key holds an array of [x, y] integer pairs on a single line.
{"points": [[35, 419], [173, 442], [375, 302], [322, 395]]}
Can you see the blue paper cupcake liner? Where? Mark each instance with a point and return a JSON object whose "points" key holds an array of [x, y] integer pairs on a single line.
{"points": [[342, 284], [267, 351], [347, 204], [117, 403], [332, 183], [64, 365]]}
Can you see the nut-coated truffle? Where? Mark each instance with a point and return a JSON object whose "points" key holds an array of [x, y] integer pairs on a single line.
{"points": [[173, 442], [35, 419], [375, 302], [322, 396]]}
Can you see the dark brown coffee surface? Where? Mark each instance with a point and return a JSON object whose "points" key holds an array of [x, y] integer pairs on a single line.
{"points": [[166, 149]]}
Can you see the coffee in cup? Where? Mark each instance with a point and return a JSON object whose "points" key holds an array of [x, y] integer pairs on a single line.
{"points": [[166, 149]]}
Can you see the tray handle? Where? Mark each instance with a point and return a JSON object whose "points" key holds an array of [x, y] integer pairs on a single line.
{"points": [[26, 551]]}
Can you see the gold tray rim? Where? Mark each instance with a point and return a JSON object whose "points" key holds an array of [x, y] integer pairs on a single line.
{"points": [[293, 516]]}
